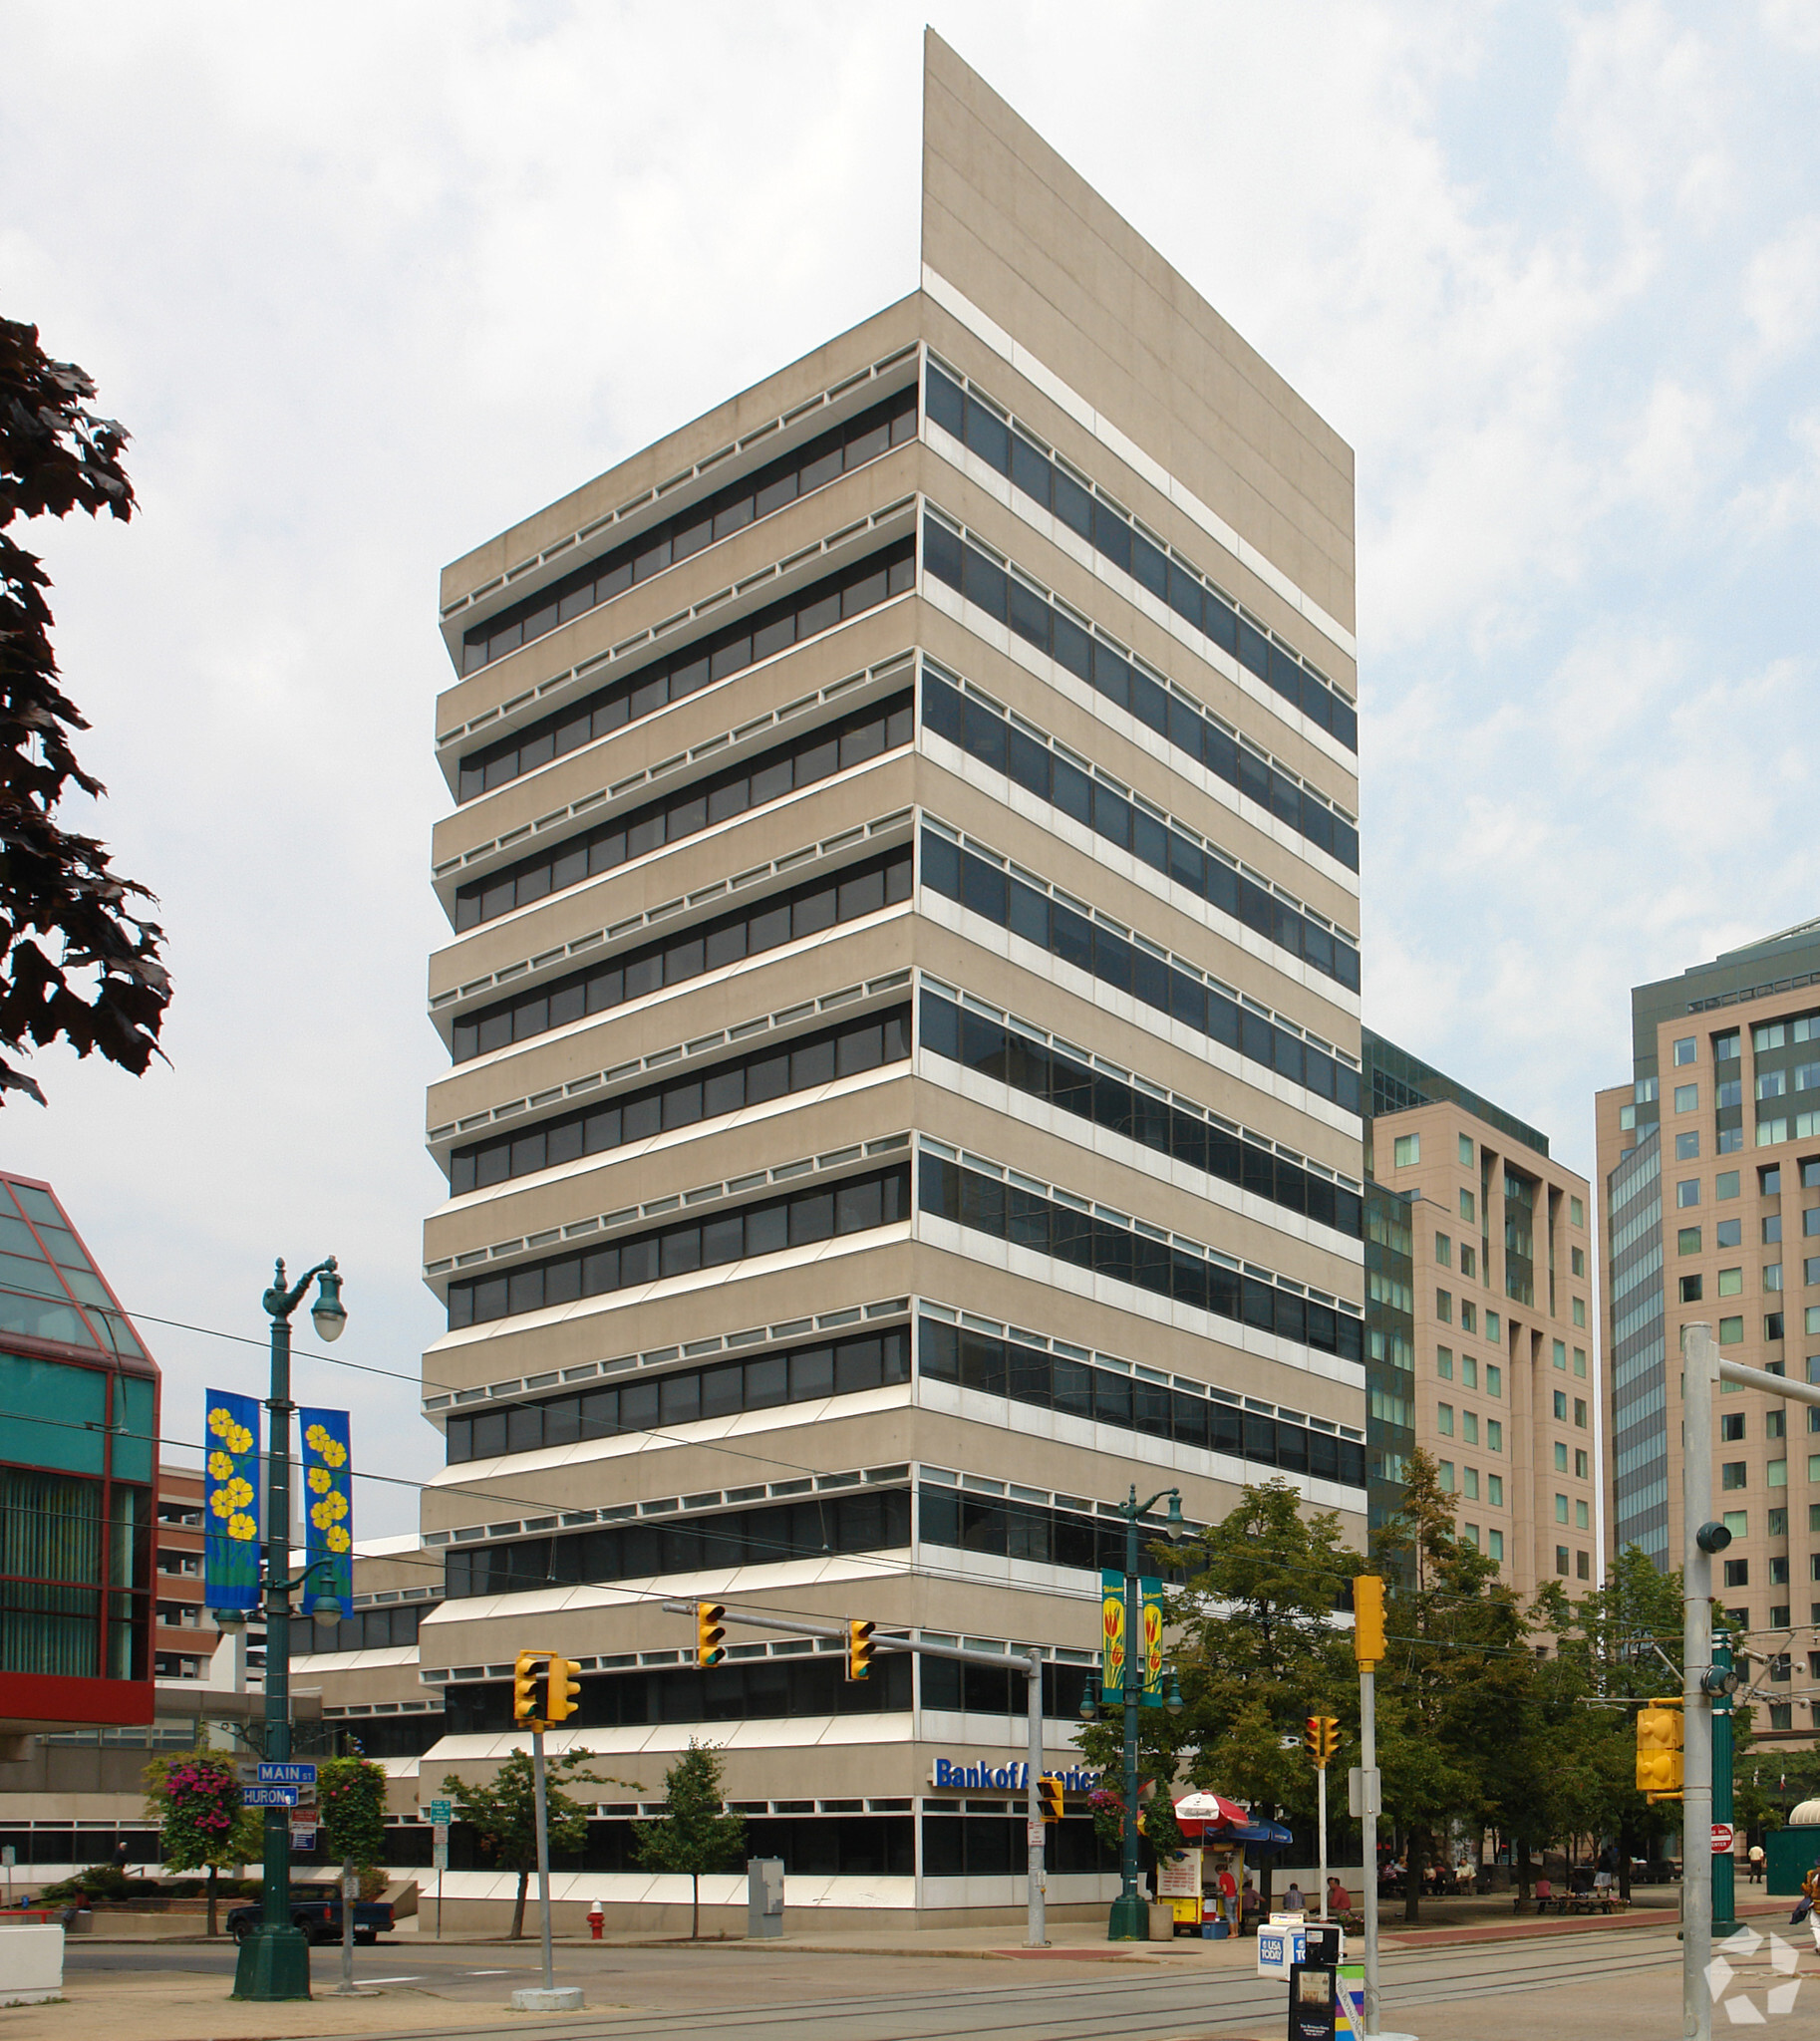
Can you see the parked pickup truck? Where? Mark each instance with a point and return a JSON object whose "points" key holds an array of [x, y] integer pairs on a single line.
{"points": [[320, 1919]]}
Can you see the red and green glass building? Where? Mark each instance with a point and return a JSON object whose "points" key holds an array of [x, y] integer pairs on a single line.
{"points": [[79, 1428]]}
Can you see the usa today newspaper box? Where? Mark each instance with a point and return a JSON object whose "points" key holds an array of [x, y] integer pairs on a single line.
{"points": [[1292, 1939]]}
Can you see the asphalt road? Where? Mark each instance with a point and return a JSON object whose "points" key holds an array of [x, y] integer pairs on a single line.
{"points": [[746, 1994]]}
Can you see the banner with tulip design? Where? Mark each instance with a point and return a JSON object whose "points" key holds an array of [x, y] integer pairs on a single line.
{"points": [[230, 1501], [328, 1507]]}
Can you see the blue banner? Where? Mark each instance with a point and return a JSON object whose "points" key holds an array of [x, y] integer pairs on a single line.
{"points": [[230, 1501], [328, 1507]]}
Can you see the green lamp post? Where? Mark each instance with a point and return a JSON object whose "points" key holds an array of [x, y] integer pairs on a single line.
{"points": [[275, 1960], [1129, 1921]]}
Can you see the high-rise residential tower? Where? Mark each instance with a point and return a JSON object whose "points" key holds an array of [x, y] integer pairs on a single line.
{"points": [[1709, 1167], [902, 1004], [1479, 1341]]}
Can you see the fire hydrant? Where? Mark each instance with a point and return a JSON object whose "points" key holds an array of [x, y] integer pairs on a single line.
{"points": [[597, 1920]]}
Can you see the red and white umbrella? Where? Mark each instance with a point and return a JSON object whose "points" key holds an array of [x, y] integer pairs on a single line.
{"points": [[1210, 1810]]}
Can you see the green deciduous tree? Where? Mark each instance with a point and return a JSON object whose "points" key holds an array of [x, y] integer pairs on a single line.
{"points": [[194, 1797], [1457, 1690], [77, 961], [502, 1811], [350, 1807], [1258, 1650], [695, 1832]]}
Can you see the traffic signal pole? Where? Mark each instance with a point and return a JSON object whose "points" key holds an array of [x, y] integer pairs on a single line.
{"points": [[1703, 1679], [1029, 1662], [543, 1854], [545, 1690], [1699, 1372]]}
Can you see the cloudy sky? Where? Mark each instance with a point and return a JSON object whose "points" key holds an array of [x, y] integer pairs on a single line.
{"points": [[367, 283]]}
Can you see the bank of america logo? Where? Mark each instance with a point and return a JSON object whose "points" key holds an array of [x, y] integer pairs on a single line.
{"points": [[1740, 2008]]}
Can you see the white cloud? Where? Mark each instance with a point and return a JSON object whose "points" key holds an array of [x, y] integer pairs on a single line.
{"points": [[370, 283]]}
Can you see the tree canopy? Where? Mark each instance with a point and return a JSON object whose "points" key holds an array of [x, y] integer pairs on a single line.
{"points": [[79, 961], [502, 1811], [695, 1832], [1492, 1712]]}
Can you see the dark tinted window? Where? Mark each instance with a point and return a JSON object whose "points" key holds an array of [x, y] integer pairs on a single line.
{"points": [[1202, 608], [642, 691], [947, 869], [885, 424], [746, 932]]}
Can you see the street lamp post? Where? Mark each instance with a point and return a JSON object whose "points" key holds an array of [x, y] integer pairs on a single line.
{"points": [[1129, 1921], [275, 1960]]}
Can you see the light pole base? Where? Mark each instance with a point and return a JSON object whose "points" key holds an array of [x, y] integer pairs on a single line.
{"points": [[1131, 1918], [566, 1998], [273, 1963]]}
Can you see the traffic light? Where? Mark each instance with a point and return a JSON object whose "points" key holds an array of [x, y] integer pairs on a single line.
{"points": [[1368, 1619], [1658, 1750], [859, 1650], [530, 1686], [1322, 1735], [562, 1691], [709, 1631], [1051, 1790]]}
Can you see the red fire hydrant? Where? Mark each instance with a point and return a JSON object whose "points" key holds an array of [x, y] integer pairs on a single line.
{"points": [[597, 1920]]}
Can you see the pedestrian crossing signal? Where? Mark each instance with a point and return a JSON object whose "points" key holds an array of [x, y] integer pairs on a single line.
{"points": [[1051, 1790]]}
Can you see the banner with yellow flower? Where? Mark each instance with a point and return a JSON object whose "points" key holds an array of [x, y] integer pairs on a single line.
{"points": [[328, 1507], [230, 1501]]}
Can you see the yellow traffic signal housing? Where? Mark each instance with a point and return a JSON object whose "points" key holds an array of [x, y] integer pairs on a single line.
{"points": [[1322, 1735], [1051, 1790], [1368, 1619], [528, 1689], [1658, 1750], [709, 1631], [562, 1691], [859, 1650]]}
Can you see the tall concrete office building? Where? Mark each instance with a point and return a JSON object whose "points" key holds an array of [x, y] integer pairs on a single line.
{"points": [[1480, 1335], [902, 1008], [1709, 1166]]}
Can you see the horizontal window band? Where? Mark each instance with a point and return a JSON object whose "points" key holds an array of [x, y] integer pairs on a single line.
{"points": [[821, 1212], [841, 449], [769, 921], [704, 1093], [991, 737], [1024, 907], [1114, 535], [810, 757], [898, 668], [1046, 1380], [1092, 1241], [836, 598], [1023, 1064], [840, 1366], [815, 1527]]}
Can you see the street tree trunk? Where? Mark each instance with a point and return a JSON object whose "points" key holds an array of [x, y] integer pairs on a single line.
{"points": [[1524, 1880], [695, 1905], [525, 1879], [215, 1924], [1415, 1862]]}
